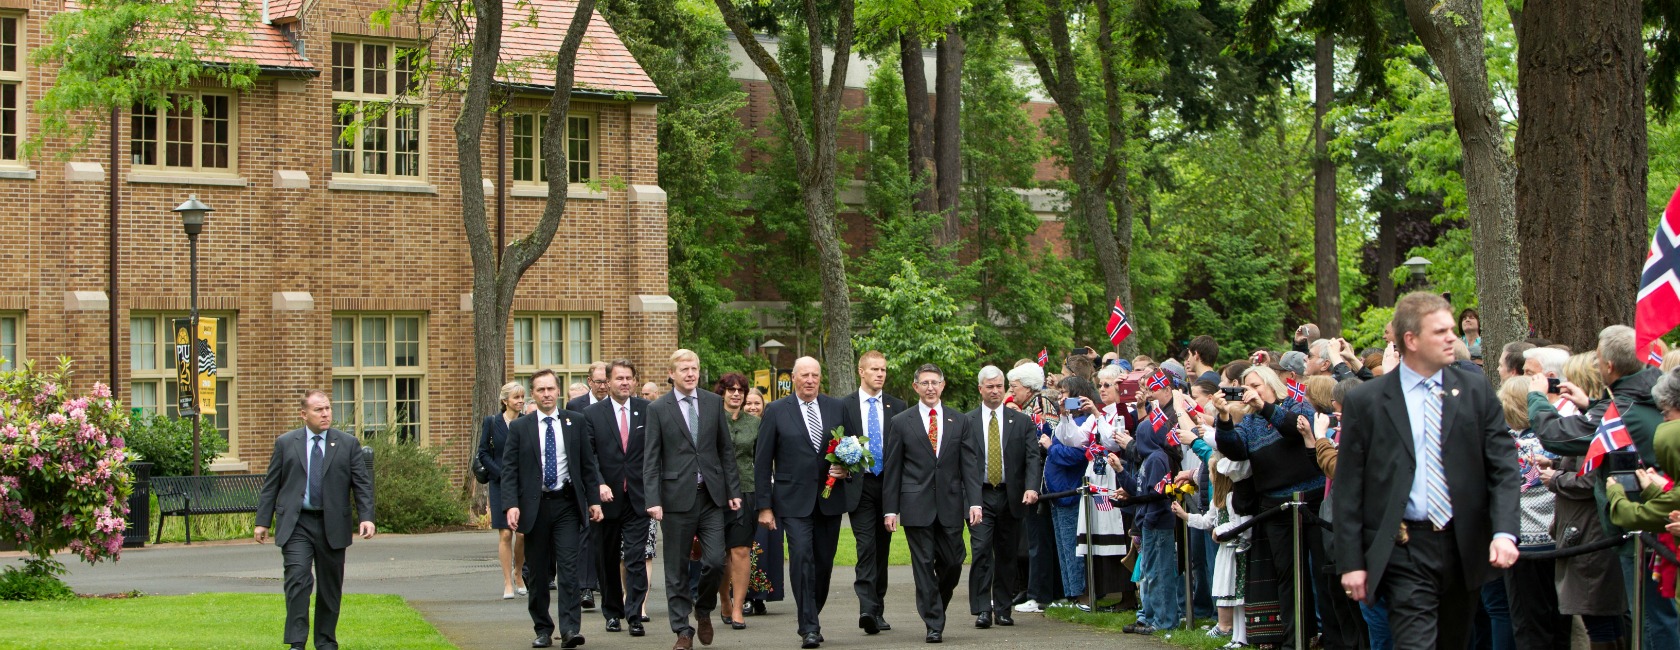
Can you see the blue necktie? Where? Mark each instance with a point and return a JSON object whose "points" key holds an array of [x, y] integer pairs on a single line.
{"points": [[551, 457], [317, 464], [1437, 502], [875, 436]]}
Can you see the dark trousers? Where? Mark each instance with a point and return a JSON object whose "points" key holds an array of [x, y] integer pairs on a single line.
{"points": [[1044, 569], [1429, 606], [874, 544], [811, 542], [312, 565], [936, 559], [991, 578], [706, 521], [1532, 590], [1317, 591], [552, 549], [589, 557], [623, 543]]}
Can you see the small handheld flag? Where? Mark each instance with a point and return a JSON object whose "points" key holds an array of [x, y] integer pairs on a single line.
{"points": [[1297, 390], [1043, 357], [1610, 436], [1159, 381], [1118, 326]]}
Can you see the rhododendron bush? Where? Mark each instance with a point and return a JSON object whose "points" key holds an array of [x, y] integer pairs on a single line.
{"points": [[64, 478]]}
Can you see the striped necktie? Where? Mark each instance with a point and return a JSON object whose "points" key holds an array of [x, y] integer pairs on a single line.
{"points": [[813, 425], [1438, 502]]}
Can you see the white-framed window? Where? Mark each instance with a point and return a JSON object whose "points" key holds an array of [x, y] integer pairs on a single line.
{"points": [[197, 132], [12, 59], [152, 368], [11, 339], [376, 82], [379, 373], [563, 342], [582, 152]]}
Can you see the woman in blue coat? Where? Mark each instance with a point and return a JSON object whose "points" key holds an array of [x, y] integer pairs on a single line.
{"points": [[490, 444]]}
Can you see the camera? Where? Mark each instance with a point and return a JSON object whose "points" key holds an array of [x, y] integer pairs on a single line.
{"points": [[1079, 352], [1070, 404], [1232, 393], [1552, 384], [1623, 467], [1335, 420]]}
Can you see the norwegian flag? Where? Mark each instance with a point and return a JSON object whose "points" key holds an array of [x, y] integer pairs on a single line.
{"points": [[1118, 327], [1530, 473], [1297, 390], [1655, 358], [1159, 381], [1658, 309], [1610, 436], [1165, 481], [1094, 450], [1043, 357], [1195, 409]]}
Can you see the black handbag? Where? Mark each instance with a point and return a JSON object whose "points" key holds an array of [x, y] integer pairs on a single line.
{"points": [[480, 472]]}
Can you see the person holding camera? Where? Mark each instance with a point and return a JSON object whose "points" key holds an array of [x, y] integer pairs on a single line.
{"points": [[1267, 433], [1657, 500], [1623, 370], [1064, 469]]}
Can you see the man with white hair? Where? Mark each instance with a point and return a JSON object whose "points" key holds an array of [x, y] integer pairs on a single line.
{"points": [[1011, 461], [1544, 361]]}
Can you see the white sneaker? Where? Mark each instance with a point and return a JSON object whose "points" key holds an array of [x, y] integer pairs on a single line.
{"points": [[1029, 607]]}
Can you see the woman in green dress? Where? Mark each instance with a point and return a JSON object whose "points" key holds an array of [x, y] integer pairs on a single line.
{"points": [[740, 525]]}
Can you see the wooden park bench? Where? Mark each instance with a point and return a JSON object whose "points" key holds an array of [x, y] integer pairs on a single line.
{"points": [[185, 496]]}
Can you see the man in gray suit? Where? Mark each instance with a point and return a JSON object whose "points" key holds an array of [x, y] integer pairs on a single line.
{"points": [[932, 479], [311, 477], [689, 475]]}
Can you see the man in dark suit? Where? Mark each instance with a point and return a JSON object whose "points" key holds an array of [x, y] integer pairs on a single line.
{"points": [[1011, 469], [312, 475], [616, 427], [932, 486], [791, 469], [589, 580], [549, 480], [867, 413], [1426, 485], [689, 475]]}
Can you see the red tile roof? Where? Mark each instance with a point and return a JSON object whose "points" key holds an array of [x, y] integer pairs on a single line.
{"points": [[603, 63], [283, 10]]}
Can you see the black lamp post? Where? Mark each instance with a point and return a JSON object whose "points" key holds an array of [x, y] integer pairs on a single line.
{"points": [[192, 220], [1418, 265]]}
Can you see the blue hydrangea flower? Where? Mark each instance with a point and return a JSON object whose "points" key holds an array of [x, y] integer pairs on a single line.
{"points": [[849, 451]]}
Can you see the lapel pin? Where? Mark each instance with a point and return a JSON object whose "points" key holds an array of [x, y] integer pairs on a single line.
{"points": [[1455, 392]]}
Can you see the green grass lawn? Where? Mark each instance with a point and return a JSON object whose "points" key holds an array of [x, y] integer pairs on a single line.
{"points": [[845, 553], [204, 621], [1193, 639]]}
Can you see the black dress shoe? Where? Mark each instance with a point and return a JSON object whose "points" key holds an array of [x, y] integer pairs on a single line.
{"points": [[819, 637], [867, 622], [645, 619], [984, 621], [553, 585], [572, 641], [543, 641], [758, 607], [588, 599], [933, 636], [613, 626], [882, 623], [810, 641], [636, 628], [1004, 619], [738, 625]]}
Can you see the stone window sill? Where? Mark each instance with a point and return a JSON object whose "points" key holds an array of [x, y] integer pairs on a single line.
{"points": [[371, 185], [185, 178], [540, 191], [17, 173]]}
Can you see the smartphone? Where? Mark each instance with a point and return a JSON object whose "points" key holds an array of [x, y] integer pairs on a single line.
{"points": [[1552, 384], [1232, 393], [1079, 352], [1335, 420], [1630, 485], [1070, 404]]}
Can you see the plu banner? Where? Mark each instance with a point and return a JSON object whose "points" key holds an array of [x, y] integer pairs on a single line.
{"points": [[206, 361]]}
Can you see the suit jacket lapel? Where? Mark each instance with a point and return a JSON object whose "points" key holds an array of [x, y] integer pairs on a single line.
{"points": [[1396, 407]]}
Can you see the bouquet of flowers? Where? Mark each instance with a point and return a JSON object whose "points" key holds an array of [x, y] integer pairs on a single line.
{"points": [[850, 452]]}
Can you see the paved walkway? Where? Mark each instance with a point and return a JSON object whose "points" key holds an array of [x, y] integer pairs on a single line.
{"points": [[449, 577]]}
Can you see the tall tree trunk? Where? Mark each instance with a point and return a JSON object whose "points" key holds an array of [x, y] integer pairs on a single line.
{"points": [[817, 160], [1326, 269], [947, 132], [496, 272], [1054, 59], [917, 106], [1581, 144], [1452, 33], [1388, 226]]}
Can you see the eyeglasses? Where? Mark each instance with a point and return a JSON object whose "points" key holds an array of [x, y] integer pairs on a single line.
{"points": [[598, 382], [1109, 385], [932, 383], [732, 389]]}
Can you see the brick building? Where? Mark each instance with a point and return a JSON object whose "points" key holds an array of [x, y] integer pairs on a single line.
{"points": [[332, 266]]}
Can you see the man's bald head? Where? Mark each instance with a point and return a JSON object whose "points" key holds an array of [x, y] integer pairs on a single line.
{"points": [[807, 378]]}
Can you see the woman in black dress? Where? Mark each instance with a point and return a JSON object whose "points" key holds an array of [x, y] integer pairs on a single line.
{"points": [[765, 579], [511, 549]]}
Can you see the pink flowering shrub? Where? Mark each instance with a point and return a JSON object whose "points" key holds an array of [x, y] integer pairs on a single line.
{"points": [[64, 480]]}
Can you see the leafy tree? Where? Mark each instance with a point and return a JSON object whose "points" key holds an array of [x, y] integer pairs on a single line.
{"points": [[680, 45], [1242, 308], [920, 322]]}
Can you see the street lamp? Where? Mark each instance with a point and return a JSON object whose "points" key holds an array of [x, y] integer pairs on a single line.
{"points": [[192, 221], [1417, 265]]}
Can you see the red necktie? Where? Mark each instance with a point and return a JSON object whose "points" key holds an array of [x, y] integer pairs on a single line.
{"points": [[933, 430]]}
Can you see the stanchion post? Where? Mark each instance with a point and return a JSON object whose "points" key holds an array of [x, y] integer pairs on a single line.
{"points": [[1090, 549], [1189, 592], [1295, 568], [1639, 578]]}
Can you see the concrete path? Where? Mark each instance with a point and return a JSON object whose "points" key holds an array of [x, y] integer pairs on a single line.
{"points": [[451, 579]]}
